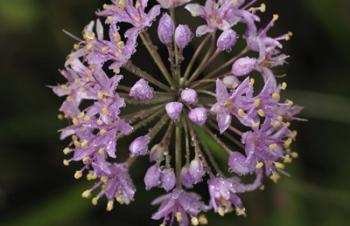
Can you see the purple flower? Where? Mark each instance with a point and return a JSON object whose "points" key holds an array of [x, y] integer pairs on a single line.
{"points": [[244, 66], [187, 179], [196, 170], [166, 29], [179, 204], [198, 115], [169, 4], [168, 179], [183, 36], [139, 146], [174, 109], [141, 90], [130, 11], [189, 96], [226, 40], [152, 177]]}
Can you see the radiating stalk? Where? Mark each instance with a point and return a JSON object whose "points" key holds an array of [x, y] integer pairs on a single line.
{"points": [[142, 114], [152, 49], [228, 63], [155, 100], [158, 126], [231, 138], [178, 154], [166, 142], [177, 55], [204, 63], [187, 141], [129, 66], [215, 137], [194, 57], [206, 92]]}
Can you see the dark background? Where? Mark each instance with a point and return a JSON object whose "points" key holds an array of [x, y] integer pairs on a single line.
{"points": [[37, 190]]}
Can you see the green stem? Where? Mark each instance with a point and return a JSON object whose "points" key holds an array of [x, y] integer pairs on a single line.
{"points": [[152, 49], [178, 156], [194, 57], [129, 66]]}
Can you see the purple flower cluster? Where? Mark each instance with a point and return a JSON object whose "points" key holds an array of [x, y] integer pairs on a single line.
{"points": [[225, 102]]}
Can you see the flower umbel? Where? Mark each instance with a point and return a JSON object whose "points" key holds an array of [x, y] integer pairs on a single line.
{"points": [[251, 124]]}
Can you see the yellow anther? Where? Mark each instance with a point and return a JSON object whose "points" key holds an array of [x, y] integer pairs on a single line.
{"points": [[75, 121], [287, 159], [275, 17], [178, 216], [294, 154], [120, 44], [284, 86], [78, 174], [81, 115], [91, 176], [261, 112], [121, 4], [202, 219], [76, 46], [279, 165], [251, 81], [261, 188], [287, 143], [103, 132], [241, 113], [101, 151], [221, 211], [110, 205], [89, 36], [84, 143], [104, 50], [86, 160], [294, 134], [240, 211], [99, 122], [119, 199], [256, 125], [137, 5], [257, 102], [105, 111], [275, 177], [89, 47], [275, 123], [86, 194], [94, 201], [66, 151], [66, 162], [286, 124], [262, 8], [87, 118], [272, 147], [234, 85], [194, 221], [276, 96], [280, 118], [60, 116], [77, 143], [104, 179], [259, 165]]}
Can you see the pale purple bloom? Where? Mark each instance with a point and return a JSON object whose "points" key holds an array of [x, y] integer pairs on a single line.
{"points": [[189, 96], [169, 4], [141, 90], [168, 179], [130, 11], [244, 66], [183, 36], [152, 177], [186, 177], [139, 146], [180, 205], [166, 29], [196, 170], [226, 40], [174, 109], [198, 115]]}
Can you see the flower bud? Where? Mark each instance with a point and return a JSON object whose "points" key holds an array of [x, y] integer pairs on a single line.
{"points": [[168, 179], [189, 96], [243, 66], [152, 177], [139, 146], [198, 115], [156, 153], [141, 90], [183, 36], [186, 177], [196, 170], [226, 40], [166, 29], [174, 109]]}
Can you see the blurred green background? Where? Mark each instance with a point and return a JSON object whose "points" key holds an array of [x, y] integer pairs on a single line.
{"points": [[35, 188]]}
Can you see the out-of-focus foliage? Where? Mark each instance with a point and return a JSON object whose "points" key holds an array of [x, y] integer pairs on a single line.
{"points": [[36, 190]]}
